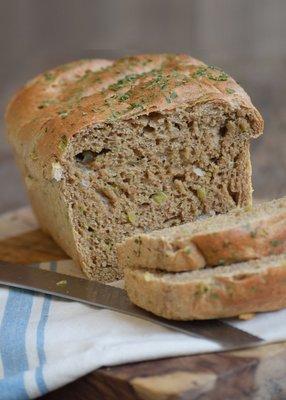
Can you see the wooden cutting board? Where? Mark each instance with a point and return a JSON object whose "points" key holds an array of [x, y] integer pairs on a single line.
{"points": [[258, 373]]}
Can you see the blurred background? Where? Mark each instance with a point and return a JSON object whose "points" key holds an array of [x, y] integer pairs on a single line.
{"points": [[246, 38]]}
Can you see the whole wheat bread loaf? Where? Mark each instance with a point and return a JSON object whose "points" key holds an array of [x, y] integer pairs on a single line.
{"points": [[108, 149], [240, 235], [224, 291]]}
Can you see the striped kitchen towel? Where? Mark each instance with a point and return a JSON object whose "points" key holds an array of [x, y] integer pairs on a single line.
{"points": [[46, 342]]}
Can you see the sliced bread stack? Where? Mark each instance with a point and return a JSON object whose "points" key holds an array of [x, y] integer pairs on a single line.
{"points": [[220, 266]]}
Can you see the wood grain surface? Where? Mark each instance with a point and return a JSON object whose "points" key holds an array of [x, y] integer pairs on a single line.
{"points": [[258, 373]]}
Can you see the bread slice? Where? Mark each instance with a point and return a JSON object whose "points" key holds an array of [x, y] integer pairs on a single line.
{"points": [[253, 286], [240, 235], [108, 149]]}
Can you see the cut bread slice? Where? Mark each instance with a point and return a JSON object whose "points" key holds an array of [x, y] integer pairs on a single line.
{"points": [[249, 287], [241, 235]]}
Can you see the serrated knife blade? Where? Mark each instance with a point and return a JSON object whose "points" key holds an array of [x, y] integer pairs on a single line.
{"points": [[113, 298]]}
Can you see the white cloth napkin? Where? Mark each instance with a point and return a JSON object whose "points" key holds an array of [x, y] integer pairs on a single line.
{"points": [[46, 342]]}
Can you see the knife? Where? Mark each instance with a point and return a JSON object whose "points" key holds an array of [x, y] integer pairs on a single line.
{"points": [[113, 298]]}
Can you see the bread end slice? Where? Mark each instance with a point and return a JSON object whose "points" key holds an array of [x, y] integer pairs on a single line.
{"points": [[250, 287]]}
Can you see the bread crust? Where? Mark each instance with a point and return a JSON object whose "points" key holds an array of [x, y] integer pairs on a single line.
{"points": [[34, 115], [224, 295], [243, 242]]}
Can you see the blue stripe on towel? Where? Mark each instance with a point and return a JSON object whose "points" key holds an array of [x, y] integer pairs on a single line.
{"points": [[41, 339], [12, 344], [40, 345]]}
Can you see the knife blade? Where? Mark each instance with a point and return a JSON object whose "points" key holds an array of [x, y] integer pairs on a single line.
{"points": [[113, 298]]}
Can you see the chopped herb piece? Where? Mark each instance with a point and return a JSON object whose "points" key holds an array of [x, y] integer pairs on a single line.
{"points": [[135, 105], [148, 61], [201, 193], [201, 289], [131, 216], [123, 82], [137, 251], [216, 75], [123, 97], [201, 71], [175, 74], [114, 116], [63, 114], [138, 240], [159, 197], [107, 101], [47, 103], [173, 95], [62, 283], [253, 234], [221, 77], [63, 143], [86, 73], [187, 250], [263, 232], [230, 292], [34, 155], [275, 242], [49, 76], [97, 79], [160, 80], [229, 91], [214, 296]]}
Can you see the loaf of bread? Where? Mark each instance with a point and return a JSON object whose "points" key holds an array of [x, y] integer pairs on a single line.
{"points": [[224, 291], [240, 235], [108, 149]]}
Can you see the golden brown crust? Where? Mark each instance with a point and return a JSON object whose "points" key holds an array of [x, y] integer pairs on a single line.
{"points": [[250, 241], [224, 295], [63, 101], [247, 240]]}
